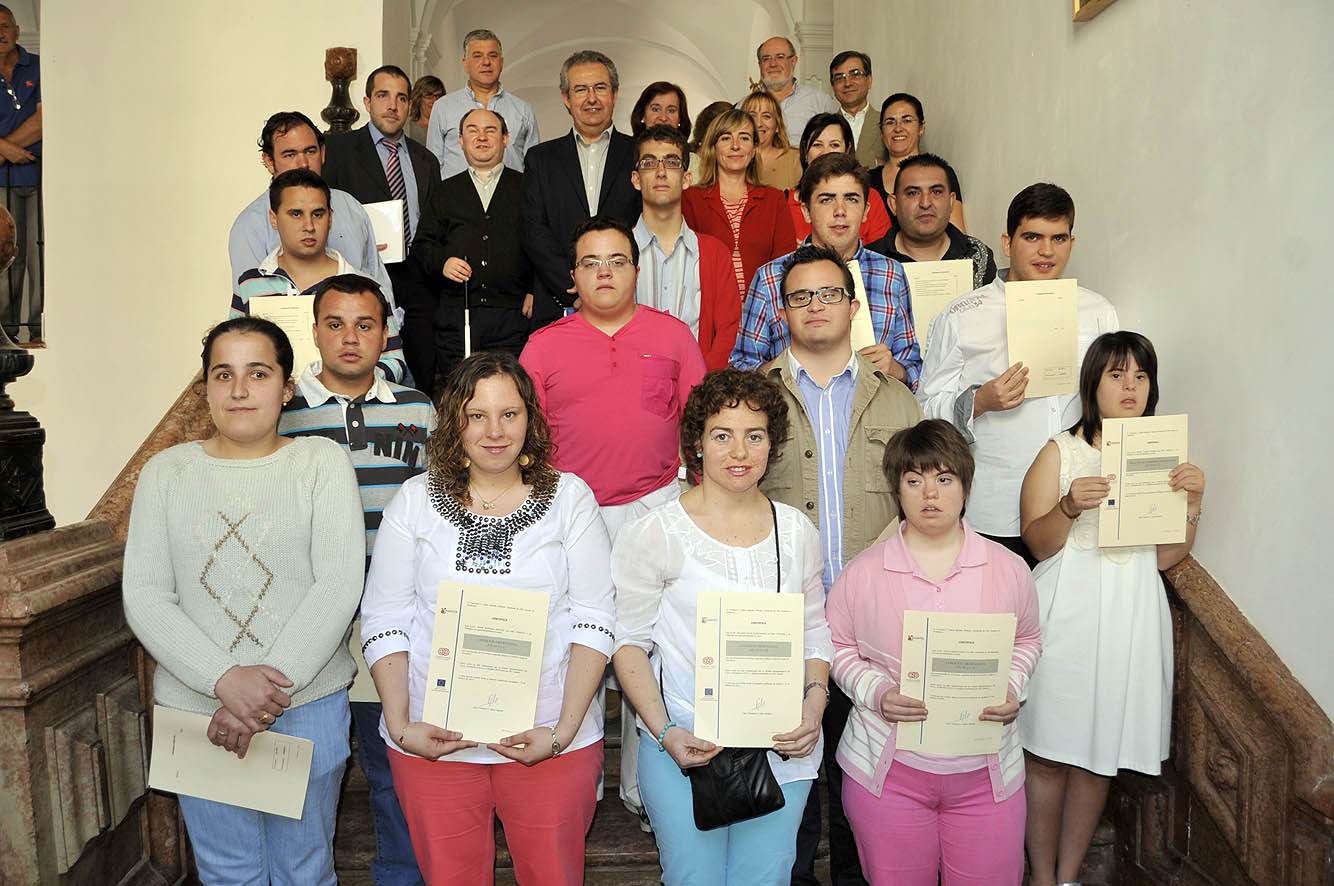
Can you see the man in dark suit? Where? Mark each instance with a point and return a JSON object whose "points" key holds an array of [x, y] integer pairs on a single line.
{"points": [[569, 179], [468, 243], [378, 162]]}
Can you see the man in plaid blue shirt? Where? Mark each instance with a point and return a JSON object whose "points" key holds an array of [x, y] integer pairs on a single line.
{"points": [[833, 196]]}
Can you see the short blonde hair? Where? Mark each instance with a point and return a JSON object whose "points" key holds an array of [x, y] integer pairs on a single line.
{"points": [[728, 121]]}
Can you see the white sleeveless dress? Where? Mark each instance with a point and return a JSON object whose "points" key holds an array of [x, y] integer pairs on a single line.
{"points": [[1101, 695]]}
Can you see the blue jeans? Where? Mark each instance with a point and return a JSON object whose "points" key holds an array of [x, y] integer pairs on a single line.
{"points": [[241, 847], [758, 852], [393, 864]]}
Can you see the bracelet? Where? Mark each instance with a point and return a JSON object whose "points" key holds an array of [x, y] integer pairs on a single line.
{"points": [[663, 734], [1194, 519], [555, 744], [1060, 503], [807, 688]]}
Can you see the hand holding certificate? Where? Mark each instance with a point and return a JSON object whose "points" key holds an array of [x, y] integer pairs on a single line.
{"points": [[271, 778], [1042, 332], [958, 664], [486, 660], [387, 225], [749, 664], [1138, 457]]}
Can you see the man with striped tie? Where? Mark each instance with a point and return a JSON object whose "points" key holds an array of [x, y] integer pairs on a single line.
{"points": [[378, 162], [383, 427]]}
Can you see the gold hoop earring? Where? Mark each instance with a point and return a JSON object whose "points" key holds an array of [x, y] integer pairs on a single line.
{"points": [[467, 462], [525, 460]]}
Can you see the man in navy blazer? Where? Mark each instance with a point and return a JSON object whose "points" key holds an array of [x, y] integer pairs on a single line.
{"points": [[569, 179], [360, 162]]}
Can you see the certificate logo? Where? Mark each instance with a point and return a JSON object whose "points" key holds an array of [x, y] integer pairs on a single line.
{"points": [[708, 661], [914, 675], [443, 652]]}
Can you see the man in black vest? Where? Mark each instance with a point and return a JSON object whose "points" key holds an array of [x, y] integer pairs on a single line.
{"points": [[378, 162], [469, 242]]}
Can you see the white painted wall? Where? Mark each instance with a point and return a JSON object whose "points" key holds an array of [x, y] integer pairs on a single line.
{"points": [[1194, 138], [151, 113]]}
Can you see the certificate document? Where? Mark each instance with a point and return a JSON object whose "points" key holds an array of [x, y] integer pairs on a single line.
{"points": [[958, 663], [271, 778], [1141, 508], [1042, 331], [296, 315], [863, 333], [486, 660], [932, 285], [749, 664], [387, 225]]}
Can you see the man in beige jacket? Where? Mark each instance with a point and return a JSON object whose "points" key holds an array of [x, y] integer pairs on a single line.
{"points": [[843, 410]]}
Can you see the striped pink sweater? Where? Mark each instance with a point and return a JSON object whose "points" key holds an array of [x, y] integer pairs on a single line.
{"points": [[865, 612]]}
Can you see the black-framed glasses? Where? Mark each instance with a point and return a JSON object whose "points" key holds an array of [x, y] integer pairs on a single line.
{"points": [[854, 74], [671, 161], [828, 295]]}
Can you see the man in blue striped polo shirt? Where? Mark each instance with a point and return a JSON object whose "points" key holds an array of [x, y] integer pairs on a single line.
{"points": [[383, 426]]}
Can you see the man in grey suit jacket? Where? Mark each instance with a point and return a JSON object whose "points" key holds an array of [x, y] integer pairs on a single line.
{"points": [[850, 77], [570, 179], [374, 162]]}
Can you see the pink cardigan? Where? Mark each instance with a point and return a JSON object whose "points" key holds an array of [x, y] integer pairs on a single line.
{"points": [[865, 612]]}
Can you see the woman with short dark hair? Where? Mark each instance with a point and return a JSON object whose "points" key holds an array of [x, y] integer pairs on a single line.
{"points": [[723, 534]]}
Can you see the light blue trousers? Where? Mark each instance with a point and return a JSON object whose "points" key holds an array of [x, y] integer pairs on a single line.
{"points": [[758, 852], [241, 847]]}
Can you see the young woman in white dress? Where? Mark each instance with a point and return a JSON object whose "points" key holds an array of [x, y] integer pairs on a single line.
{"points": [[1101, 697]]}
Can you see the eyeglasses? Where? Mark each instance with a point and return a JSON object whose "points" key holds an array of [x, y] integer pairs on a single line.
{"points": [[777, 57], [828, 295], [600, 89], [671, 161], [854, 74], [906, 120], [593, 265]]}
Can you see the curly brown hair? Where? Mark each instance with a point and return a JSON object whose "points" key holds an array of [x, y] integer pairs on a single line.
{"points": [[444, 448], [724, 389]]}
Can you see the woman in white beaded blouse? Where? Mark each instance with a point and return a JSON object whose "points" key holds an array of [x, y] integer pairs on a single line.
{"points": [[721, 535], [242, 571], [490, 510]]}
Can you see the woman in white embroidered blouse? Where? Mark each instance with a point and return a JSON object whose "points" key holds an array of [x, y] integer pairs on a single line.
{"points": [[719, 535], [492, 511]]}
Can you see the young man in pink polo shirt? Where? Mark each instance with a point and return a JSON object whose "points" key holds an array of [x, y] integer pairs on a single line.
{"points": [[613, 379]]}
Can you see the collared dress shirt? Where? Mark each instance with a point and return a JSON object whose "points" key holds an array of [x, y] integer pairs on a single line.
{"points": [[442, 137], [763, 334], [19, 98], [592, 162], [409, 177], [669, 282], [965, 350], [485, 183], [830, 412], [856, 121], [803, 104], [614, 402]]}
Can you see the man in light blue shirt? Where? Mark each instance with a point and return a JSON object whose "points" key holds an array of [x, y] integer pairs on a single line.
{"points": [[290, 140], [482, 62]]}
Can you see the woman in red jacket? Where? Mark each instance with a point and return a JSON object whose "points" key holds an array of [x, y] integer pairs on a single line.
{"points": [[729, 203]]}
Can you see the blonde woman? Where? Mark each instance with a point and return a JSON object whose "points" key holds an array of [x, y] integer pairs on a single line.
{"points": [[780, 163]]}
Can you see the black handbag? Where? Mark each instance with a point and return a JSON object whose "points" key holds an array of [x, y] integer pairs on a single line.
{"points": [[737, 784]]}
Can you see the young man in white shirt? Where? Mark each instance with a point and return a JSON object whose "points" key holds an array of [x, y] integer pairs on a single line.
{"points": [[967, 377]]}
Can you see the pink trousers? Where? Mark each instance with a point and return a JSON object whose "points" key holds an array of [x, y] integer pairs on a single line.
{"points": [[546, 810], [924, 825]]}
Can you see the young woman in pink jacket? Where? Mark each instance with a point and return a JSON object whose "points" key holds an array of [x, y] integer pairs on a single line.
{"points": [[919, 816]]}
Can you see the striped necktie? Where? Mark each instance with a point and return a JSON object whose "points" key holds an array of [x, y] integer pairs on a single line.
{"points": [[397, 189]]}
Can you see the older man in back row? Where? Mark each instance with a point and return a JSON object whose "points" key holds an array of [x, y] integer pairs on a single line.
{"points": [[778, 64]]}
